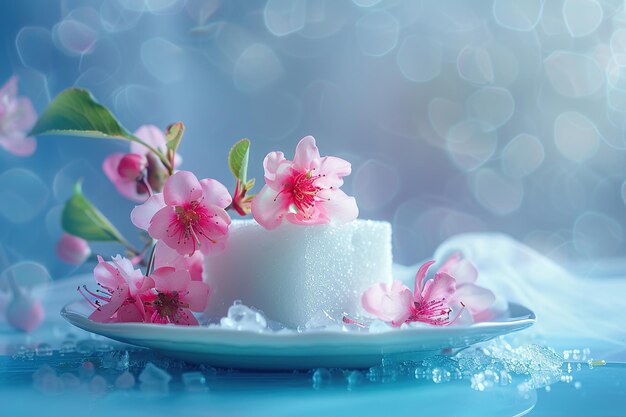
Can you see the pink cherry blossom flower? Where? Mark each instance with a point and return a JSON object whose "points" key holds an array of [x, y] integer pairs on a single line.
{"points": [[189, 215], [137, 173], [176, 297], [73, 249], [121, 288], [305, 190], [17, 117], [166, 256], [432, 300]]}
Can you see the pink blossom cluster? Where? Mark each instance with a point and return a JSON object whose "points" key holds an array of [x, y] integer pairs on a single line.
{"points": [[17, 117], [440, 301], [125, 294], [188, 220]]}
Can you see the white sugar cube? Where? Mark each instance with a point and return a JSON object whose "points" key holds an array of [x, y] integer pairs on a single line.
{"points": [[292, 272]]}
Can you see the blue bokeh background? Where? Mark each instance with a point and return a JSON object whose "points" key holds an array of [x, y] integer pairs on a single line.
{"points": [[457, 116]]}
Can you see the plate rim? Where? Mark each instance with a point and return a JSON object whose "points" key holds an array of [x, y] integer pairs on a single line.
{"points": [[520, 322]]}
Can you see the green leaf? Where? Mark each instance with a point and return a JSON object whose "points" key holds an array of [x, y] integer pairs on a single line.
{"points": [[80, 218], [75, 112], [248, 185], [174, 134], [238, 159]]}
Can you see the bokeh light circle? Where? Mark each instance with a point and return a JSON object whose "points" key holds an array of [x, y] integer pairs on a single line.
{"points": [[163, 59], [582, 17], [375, 184], [474, 65], [257, 67], [518, 15], [24, 195], [498, 194], [522, 156], [283, 17], [492, 106], [443, 114], [576, 136], [470, 144], [420, 59], [597, 235], [377, 33], [572, 74]]}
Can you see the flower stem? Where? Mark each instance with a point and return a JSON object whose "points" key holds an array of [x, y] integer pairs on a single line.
{"points": [[128, 246], [151, 261], [146, 184], [163, 158]]}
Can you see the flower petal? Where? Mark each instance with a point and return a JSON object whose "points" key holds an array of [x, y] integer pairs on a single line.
{"points": [[442, 286], [195, 266], [214, 231], [389, 303], [215, 193], [164, 226], [142, 215], [125, 266], [105, 312], [72, 249], [134, 278], [166, 256], [269, 207], [143, 285], [18, 144], [460, 268], [271, 163], [9, 89], [197, 295], [107, 275], [332, 170], [185, 318], [125, 187], [25, 115], [338, 207], [182, 187], [168, 279], [110, 164], [306, 154], [419, 279], [475, 298], [315, 215], [130, 313]]}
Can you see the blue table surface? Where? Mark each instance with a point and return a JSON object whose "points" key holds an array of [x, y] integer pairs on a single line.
{"points": [[590, 392]]}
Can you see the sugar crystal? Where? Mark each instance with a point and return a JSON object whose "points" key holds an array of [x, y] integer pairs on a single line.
{"points": [[241, 317], [154, 379], [194, 381]]}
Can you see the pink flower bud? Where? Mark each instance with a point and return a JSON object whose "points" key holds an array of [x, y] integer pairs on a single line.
{"points": [[132, 166], [24, 312], [72, 249]]}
